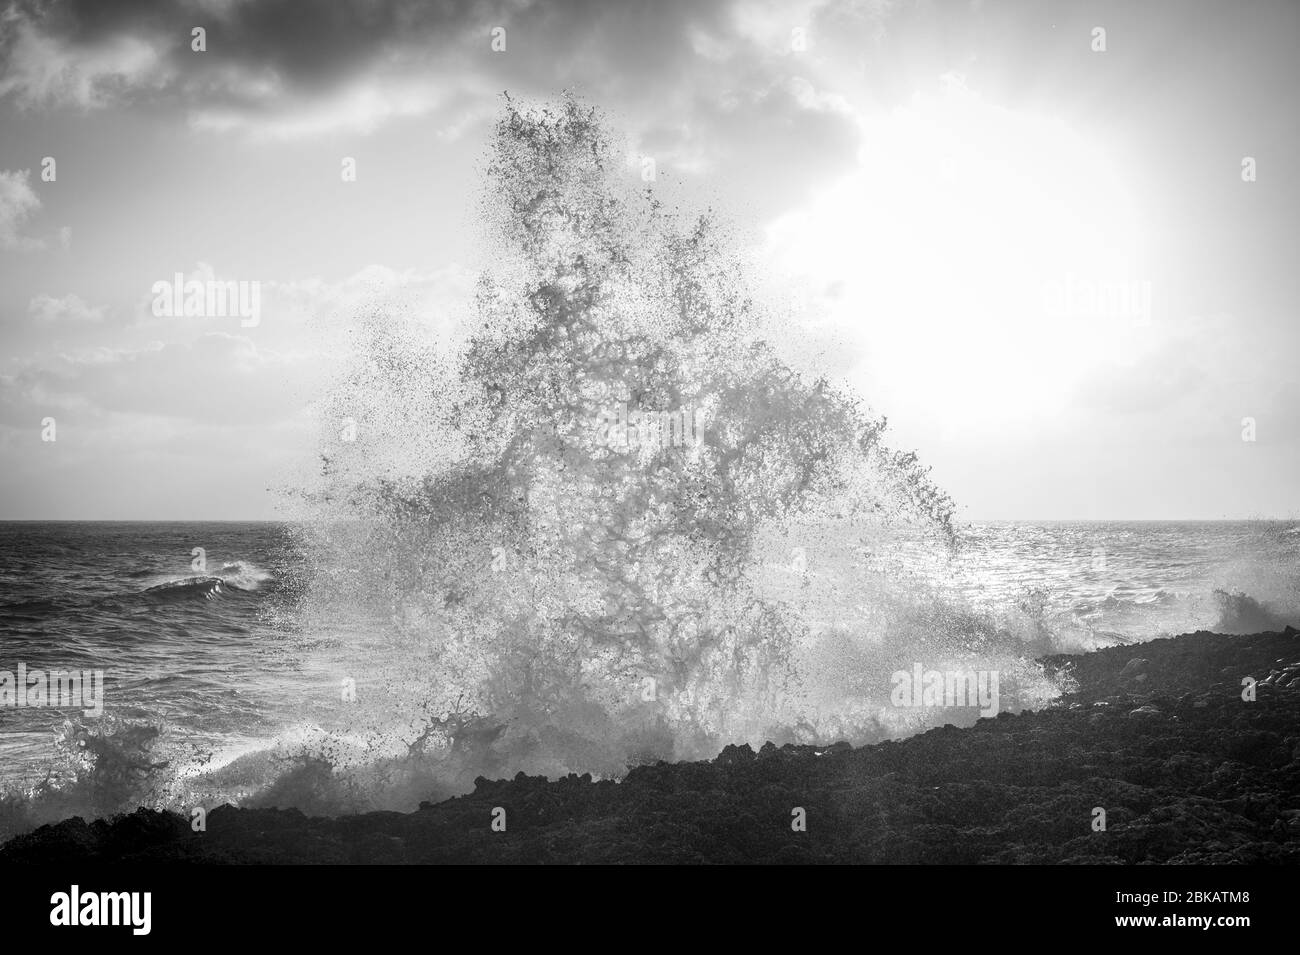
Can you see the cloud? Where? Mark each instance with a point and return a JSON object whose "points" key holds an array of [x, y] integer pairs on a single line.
{"points": [[1197, 376], [217, 378], [43, 68], [701, 88], [69, 308], [273, 71], [17, 204], [269, 65], [360, 108], [438, 299]]}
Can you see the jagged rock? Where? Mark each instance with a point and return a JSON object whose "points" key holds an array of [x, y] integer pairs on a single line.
{"points": [[734, 755], [1134, 668]]}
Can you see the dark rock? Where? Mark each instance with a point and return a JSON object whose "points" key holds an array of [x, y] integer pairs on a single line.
{"points": [[1135, 667]]}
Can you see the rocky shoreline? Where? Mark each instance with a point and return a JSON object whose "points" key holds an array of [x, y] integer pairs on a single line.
{"points": [[1157, 735]]}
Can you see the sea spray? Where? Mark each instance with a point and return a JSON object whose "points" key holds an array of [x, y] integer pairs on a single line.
{"points": [[552, 601], [101, 767]]}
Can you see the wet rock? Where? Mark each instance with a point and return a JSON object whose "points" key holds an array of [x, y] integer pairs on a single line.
{"points": [[735, 755], [1134, 668], [67, 842], [1145, 712]]}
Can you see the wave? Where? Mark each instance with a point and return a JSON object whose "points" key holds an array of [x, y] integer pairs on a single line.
{"points": [[562, 579], [184, 588], [236, 576], [244, 575], [1240, 613], [100, 768]]}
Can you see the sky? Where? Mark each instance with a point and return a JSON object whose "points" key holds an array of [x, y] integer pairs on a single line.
{"points": [[1054, 243]]}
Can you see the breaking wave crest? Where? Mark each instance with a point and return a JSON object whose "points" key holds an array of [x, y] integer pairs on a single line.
{"points": [[1242, 613], [236, 576]]}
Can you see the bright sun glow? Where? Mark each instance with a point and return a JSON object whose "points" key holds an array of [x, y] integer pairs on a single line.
{"points": [[984, 260]]}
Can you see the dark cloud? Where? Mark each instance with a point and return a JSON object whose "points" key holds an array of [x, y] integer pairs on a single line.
{"points": [[315, 46], [702, 86]]}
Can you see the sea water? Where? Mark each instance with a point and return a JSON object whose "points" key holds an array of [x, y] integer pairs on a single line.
{"points": [[218, 671]]}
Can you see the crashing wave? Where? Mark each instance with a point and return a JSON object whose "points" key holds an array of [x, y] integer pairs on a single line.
{"points": [[237, 576], [615, 523]]}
